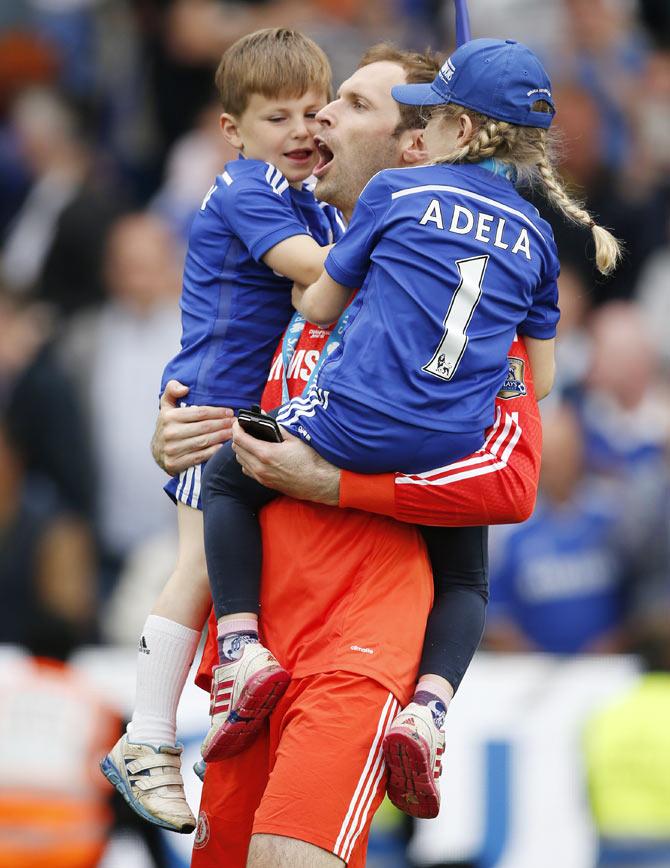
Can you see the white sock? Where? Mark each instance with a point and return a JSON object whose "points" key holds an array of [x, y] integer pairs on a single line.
{"points": [[165, 655]]}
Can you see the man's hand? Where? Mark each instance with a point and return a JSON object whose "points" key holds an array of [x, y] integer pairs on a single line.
{"points": [[185, 436], [291, 467]]}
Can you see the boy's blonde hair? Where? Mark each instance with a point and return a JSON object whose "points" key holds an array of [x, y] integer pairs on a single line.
{"points": [[272, 62], [528, 149]]}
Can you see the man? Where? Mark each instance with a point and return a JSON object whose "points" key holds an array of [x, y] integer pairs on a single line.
{"points": [[344, 604]]}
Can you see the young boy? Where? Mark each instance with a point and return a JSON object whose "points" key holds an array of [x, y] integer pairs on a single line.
{"points": [[258, 230]]}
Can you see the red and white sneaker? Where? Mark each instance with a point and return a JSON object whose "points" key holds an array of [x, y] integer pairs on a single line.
{"points": [[413, 749], [243, 694]]}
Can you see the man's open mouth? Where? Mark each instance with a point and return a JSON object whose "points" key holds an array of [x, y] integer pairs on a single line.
{"points": [[325, 158]]}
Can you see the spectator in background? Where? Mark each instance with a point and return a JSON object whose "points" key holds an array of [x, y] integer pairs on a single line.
{"points": [[41, 407], [195, 158], [572, 341], [117, 355], [54, 246], [653, 294], [604, 52], [558, 582], [625, 408], [626, 201], [627, 757], [54, 810], [47, 563]]}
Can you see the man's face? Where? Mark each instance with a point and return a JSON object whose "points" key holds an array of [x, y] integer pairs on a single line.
{"points": [[357, 136]]}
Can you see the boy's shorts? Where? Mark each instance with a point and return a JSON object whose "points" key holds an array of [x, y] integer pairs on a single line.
{"points": [[185, 488], [315, 773]]}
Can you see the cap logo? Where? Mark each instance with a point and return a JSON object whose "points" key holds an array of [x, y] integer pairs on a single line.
{"points": [[539, 90], [447, 71]]}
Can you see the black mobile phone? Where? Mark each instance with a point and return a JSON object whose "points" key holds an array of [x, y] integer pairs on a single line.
{"points": [[259, 426]]}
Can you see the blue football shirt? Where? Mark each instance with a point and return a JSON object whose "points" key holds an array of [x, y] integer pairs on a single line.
{"points": [[451, 261], [562, 576], [234, 308]]}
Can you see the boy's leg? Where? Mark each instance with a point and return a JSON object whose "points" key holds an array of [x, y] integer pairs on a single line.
{"points": [[415, 743], [249, 681], [145, 764], [170, 636]]}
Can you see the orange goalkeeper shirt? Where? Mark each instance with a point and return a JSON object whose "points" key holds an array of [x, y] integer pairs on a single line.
{"points": [[341, 589], [350, 590]]}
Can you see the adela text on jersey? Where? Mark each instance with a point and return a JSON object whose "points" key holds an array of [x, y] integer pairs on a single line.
{"points": [[487, 228]]}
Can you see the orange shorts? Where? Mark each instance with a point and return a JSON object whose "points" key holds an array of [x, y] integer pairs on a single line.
{"points": [[315, 773]]}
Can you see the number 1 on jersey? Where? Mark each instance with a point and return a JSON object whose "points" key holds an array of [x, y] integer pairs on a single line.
{"points": [[449, 352]]}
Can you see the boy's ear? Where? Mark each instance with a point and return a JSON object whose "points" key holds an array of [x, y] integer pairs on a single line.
{"points": [[413, 148], [231, 131]]}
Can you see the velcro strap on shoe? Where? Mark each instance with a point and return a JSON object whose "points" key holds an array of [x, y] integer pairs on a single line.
{"points": [[152, 782], [153, 761]]}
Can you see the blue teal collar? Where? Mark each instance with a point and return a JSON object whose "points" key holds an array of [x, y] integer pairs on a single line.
{"points": [[499, 167]]}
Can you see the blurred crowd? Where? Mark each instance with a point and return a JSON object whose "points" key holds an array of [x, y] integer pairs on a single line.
{"points": [[109, 139]]}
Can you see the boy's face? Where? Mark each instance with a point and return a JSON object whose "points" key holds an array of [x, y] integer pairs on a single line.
{"points": [[279, 131]]}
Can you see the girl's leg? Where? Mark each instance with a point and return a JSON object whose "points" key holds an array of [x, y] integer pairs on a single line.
{"points": [[414, 744], [459, 557]]}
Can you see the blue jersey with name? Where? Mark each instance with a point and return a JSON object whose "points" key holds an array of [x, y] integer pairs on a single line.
{"points": [[234, 308], [451, 261]]}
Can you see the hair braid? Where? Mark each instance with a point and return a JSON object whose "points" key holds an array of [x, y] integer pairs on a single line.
{"points": [[608, 248], [526, 149]]}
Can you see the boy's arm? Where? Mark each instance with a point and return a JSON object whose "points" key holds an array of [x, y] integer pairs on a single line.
{"points": [[323, 301], [299, 258]]}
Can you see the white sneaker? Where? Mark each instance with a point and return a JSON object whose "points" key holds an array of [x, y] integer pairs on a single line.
{"points": [[244, 692], [200, 767], [413, 749], [150, 781]]}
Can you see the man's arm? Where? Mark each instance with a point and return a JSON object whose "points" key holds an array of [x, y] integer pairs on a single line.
{"points": [[186, 436], [291, 467], [497, 485], [496, 488]]}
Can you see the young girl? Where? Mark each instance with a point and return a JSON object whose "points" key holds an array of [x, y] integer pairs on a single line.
{"points": [[451, 261]]}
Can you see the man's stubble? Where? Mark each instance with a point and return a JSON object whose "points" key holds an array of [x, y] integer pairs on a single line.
{"points": [[353, 168]]}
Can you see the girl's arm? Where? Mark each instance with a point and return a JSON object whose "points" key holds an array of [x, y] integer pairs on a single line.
{"points": [[542, 363], [323, 301]]}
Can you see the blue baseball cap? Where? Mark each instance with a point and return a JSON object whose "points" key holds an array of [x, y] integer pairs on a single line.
{"points": [[498, 78]]}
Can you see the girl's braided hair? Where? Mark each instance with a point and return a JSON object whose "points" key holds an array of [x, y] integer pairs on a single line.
{"points": [[527, 149]]}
